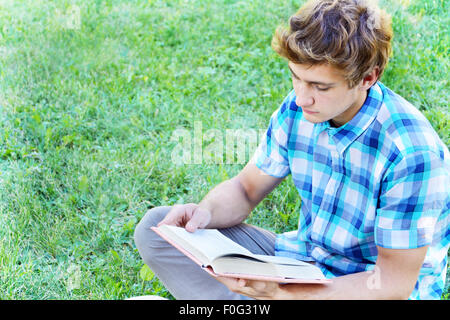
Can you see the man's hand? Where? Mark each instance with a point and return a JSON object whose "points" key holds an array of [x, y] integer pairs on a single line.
{"points": [[265, 290], [189, 216]]}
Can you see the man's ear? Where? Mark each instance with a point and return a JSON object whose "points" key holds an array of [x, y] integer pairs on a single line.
{"points": [[370, 79]]}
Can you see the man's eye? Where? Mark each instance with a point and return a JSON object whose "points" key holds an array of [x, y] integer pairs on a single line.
{"points": [[322, 88]]}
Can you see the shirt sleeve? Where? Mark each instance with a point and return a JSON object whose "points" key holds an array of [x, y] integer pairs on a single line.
{"points": [[271, 156], [414, 194]]}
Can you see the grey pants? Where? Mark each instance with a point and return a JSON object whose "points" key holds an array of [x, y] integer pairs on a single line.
{"points": [[180, 275]]}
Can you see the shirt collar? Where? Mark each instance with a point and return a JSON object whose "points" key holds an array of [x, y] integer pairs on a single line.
{"points": [[344, 135]]}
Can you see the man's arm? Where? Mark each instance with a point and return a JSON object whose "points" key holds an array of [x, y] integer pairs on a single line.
{"points": [[394, 277], [227, 204], [232, 201]]}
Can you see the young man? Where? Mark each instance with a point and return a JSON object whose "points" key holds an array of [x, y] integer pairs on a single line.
{"points": [[372, 174]]}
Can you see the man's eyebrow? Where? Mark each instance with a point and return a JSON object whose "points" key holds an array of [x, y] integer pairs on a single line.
{"points": [[312, 82]]}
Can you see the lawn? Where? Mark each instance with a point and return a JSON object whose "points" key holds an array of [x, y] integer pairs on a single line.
{"points": [[92, 94]]}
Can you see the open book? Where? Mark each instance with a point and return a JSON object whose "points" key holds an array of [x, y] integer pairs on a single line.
{"points": [[220, 256]]}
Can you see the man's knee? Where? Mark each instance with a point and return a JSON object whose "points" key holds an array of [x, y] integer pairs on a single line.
{"points": [[143, 235]]}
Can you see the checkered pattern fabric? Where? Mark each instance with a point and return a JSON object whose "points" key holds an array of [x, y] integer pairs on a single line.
{"points": [[382, 179]]}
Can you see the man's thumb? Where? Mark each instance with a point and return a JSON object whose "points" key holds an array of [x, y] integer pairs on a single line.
{"points": [[199, 219]]}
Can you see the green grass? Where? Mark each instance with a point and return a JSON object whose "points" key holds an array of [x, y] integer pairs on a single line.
{"points": [[87, 115]]}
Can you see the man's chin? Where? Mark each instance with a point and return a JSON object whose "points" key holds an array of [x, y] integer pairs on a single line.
{"points": [[314, 118]]}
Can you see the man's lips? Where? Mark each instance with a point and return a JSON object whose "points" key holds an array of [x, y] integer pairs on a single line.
{"points": [[308, 111]]}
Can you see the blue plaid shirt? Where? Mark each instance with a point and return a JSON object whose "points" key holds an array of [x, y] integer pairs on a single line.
{"points": [[382, 179]]}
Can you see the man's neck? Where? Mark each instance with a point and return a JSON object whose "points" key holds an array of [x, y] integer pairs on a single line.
{"points": [[350, 112]]}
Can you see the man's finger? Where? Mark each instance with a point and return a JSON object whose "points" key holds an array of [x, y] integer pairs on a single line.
{"points": [[175, 215], [200, 219], [170, 216]]}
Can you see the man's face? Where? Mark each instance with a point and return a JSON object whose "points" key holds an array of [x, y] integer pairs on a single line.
{"points": [[324, 94]]}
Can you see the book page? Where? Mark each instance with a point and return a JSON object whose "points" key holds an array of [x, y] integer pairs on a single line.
{"points": [[281, 260], [210, 242], [243, 268]]}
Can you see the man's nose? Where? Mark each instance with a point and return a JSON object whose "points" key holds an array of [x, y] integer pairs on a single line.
{"points": [[304, 98]]}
